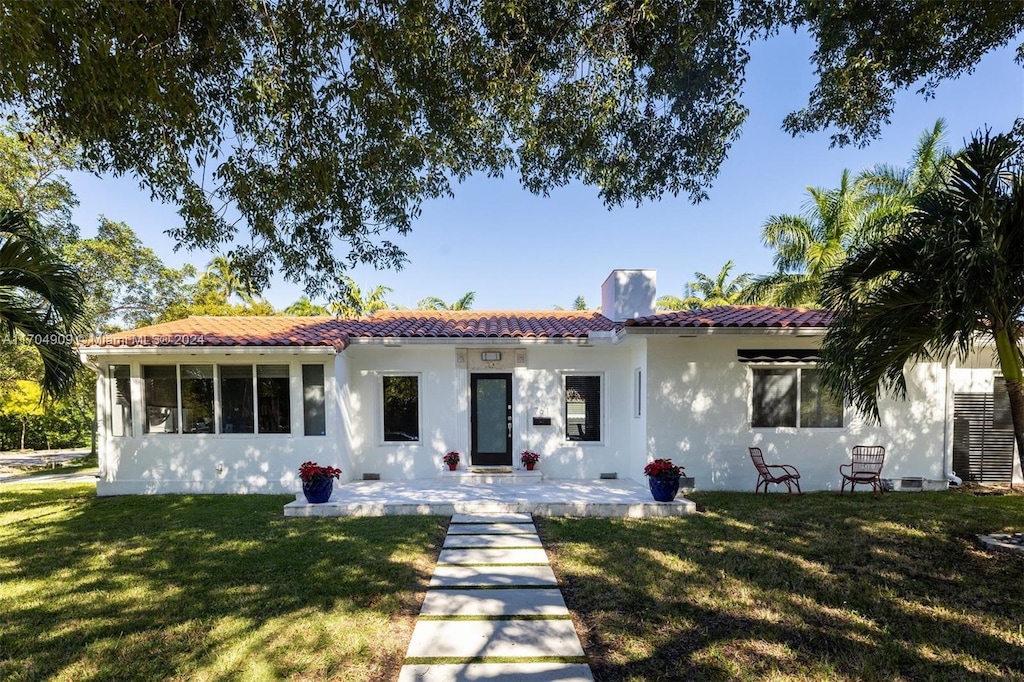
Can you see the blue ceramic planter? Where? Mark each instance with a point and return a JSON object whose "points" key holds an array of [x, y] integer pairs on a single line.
{"points": [[664, 489], [319, 491]]}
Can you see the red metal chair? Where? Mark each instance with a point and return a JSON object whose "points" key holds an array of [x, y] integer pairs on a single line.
{"points": [[865, 467], [789, 475]]}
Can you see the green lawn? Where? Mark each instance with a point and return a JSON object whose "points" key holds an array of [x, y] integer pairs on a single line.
{"points": [[224, 587], [203, 587], [817, 587]]}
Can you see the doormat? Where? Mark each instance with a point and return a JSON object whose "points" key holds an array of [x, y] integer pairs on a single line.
{"points": [[495, 470]]}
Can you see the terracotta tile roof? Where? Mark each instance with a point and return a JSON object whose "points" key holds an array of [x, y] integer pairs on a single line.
{"points": [[470, 324], [733, 316], [330, 331], [231, 331], [480, 324]]}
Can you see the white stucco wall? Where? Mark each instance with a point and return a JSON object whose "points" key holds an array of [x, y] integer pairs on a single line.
{"points": [[444, 409], [214, 463], [694, 407], [699, 416]]}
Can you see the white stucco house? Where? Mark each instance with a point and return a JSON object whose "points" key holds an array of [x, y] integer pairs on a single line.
{"points": [[236, 404]]}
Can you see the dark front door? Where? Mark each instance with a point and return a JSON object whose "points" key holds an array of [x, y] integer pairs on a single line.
{"points": [[491, 415]]}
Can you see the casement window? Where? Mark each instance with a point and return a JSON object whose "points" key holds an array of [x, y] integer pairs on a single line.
{"points": [[251, 398], [401, 408], [120, 400], [314, 418], [197, 399], [160, 397], [272, 404], [236, 399], [794, 397], [583, 407], [273, 399]]}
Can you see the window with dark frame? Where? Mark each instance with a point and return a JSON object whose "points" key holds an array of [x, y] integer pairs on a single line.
{"points": [[793, 397], [313, 414], [401, 408], [583, 408]]}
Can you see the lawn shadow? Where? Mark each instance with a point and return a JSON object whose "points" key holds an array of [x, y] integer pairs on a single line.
{"points": [[205, 587], [816, 587]]}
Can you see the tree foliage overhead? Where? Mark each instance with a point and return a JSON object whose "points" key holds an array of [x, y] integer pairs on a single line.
{"points": [[308, 129], [126, 283], [31, 180]]}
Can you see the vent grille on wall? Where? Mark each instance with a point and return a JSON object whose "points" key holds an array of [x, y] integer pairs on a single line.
{"points": [[983, 436]]}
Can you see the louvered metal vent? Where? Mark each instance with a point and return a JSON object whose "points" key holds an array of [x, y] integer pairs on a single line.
{"points": [[983, 436]]}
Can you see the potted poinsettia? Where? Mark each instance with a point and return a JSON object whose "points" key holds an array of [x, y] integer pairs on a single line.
{"points": [[529, 459], [452, 460], [663, 477], [317, 481]]}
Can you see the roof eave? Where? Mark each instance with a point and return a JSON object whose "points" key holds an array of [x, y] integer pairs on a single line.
{"points": [[86, 351], [690, 332]]}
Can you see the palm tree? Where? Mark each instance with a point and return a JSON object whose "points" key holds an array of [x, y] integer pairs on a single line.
{"points": [[223, 276], [891, 191], [41, 298], [808, 246], [707, 292], [435, 303], [354, 304], [950, 277], [304, 307]]}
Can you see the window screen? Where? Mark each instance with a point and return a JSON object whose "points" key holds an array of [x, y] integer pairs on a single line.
{"points": [[583, 408]]}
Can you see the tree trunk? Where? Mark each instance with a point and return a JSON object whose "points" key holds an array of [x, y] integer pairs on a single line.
{"points": [[1010, 363], [24, 423], [1016, 392]]}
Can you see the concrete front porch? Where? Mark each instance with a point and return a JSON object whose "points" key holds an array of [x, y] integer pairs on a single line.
{"points": [[608, 498]]}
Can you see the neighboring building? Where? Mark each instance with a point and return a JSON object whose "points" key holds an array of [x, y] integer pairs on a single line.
{"points": [[236, 404]]}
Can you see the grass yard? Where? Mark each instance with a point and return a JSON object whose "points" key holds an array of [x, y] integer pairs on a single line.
{"points": [[203, 587], [818, 587]]}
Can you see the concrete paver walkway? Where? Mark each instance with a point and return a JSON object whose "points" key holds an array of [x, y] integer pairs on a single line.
{"points": [[493, 596]]}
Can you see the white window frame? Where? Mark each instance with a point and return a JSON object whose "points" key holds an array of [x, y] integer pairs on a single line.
{"points": [[380, 409], [799, 367], [218, 403], [602, 388], [111, 389]]}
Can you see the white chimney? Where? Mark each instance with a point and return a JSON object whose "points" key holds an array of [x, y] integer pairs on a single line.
{"points": [[628, 294]]}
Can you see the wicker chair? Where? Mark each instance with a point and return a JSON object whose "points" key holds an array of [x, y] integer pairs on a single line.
{"points": [[783, 473], [865, 467]]}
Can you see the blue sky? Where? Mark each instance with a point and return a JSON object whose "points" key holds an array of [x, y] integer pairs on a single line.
{"points": [[520, 251]]}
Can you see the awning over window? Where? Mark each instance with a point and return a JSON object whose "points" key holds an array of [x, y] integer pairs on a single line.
{"points": [[778, 355]]}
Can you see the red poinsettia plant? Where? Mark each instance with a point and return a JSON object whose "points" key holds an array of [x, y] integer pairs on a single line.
{"points": [[529, 457], [451, 458], [663, 468], [311, 471]]}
